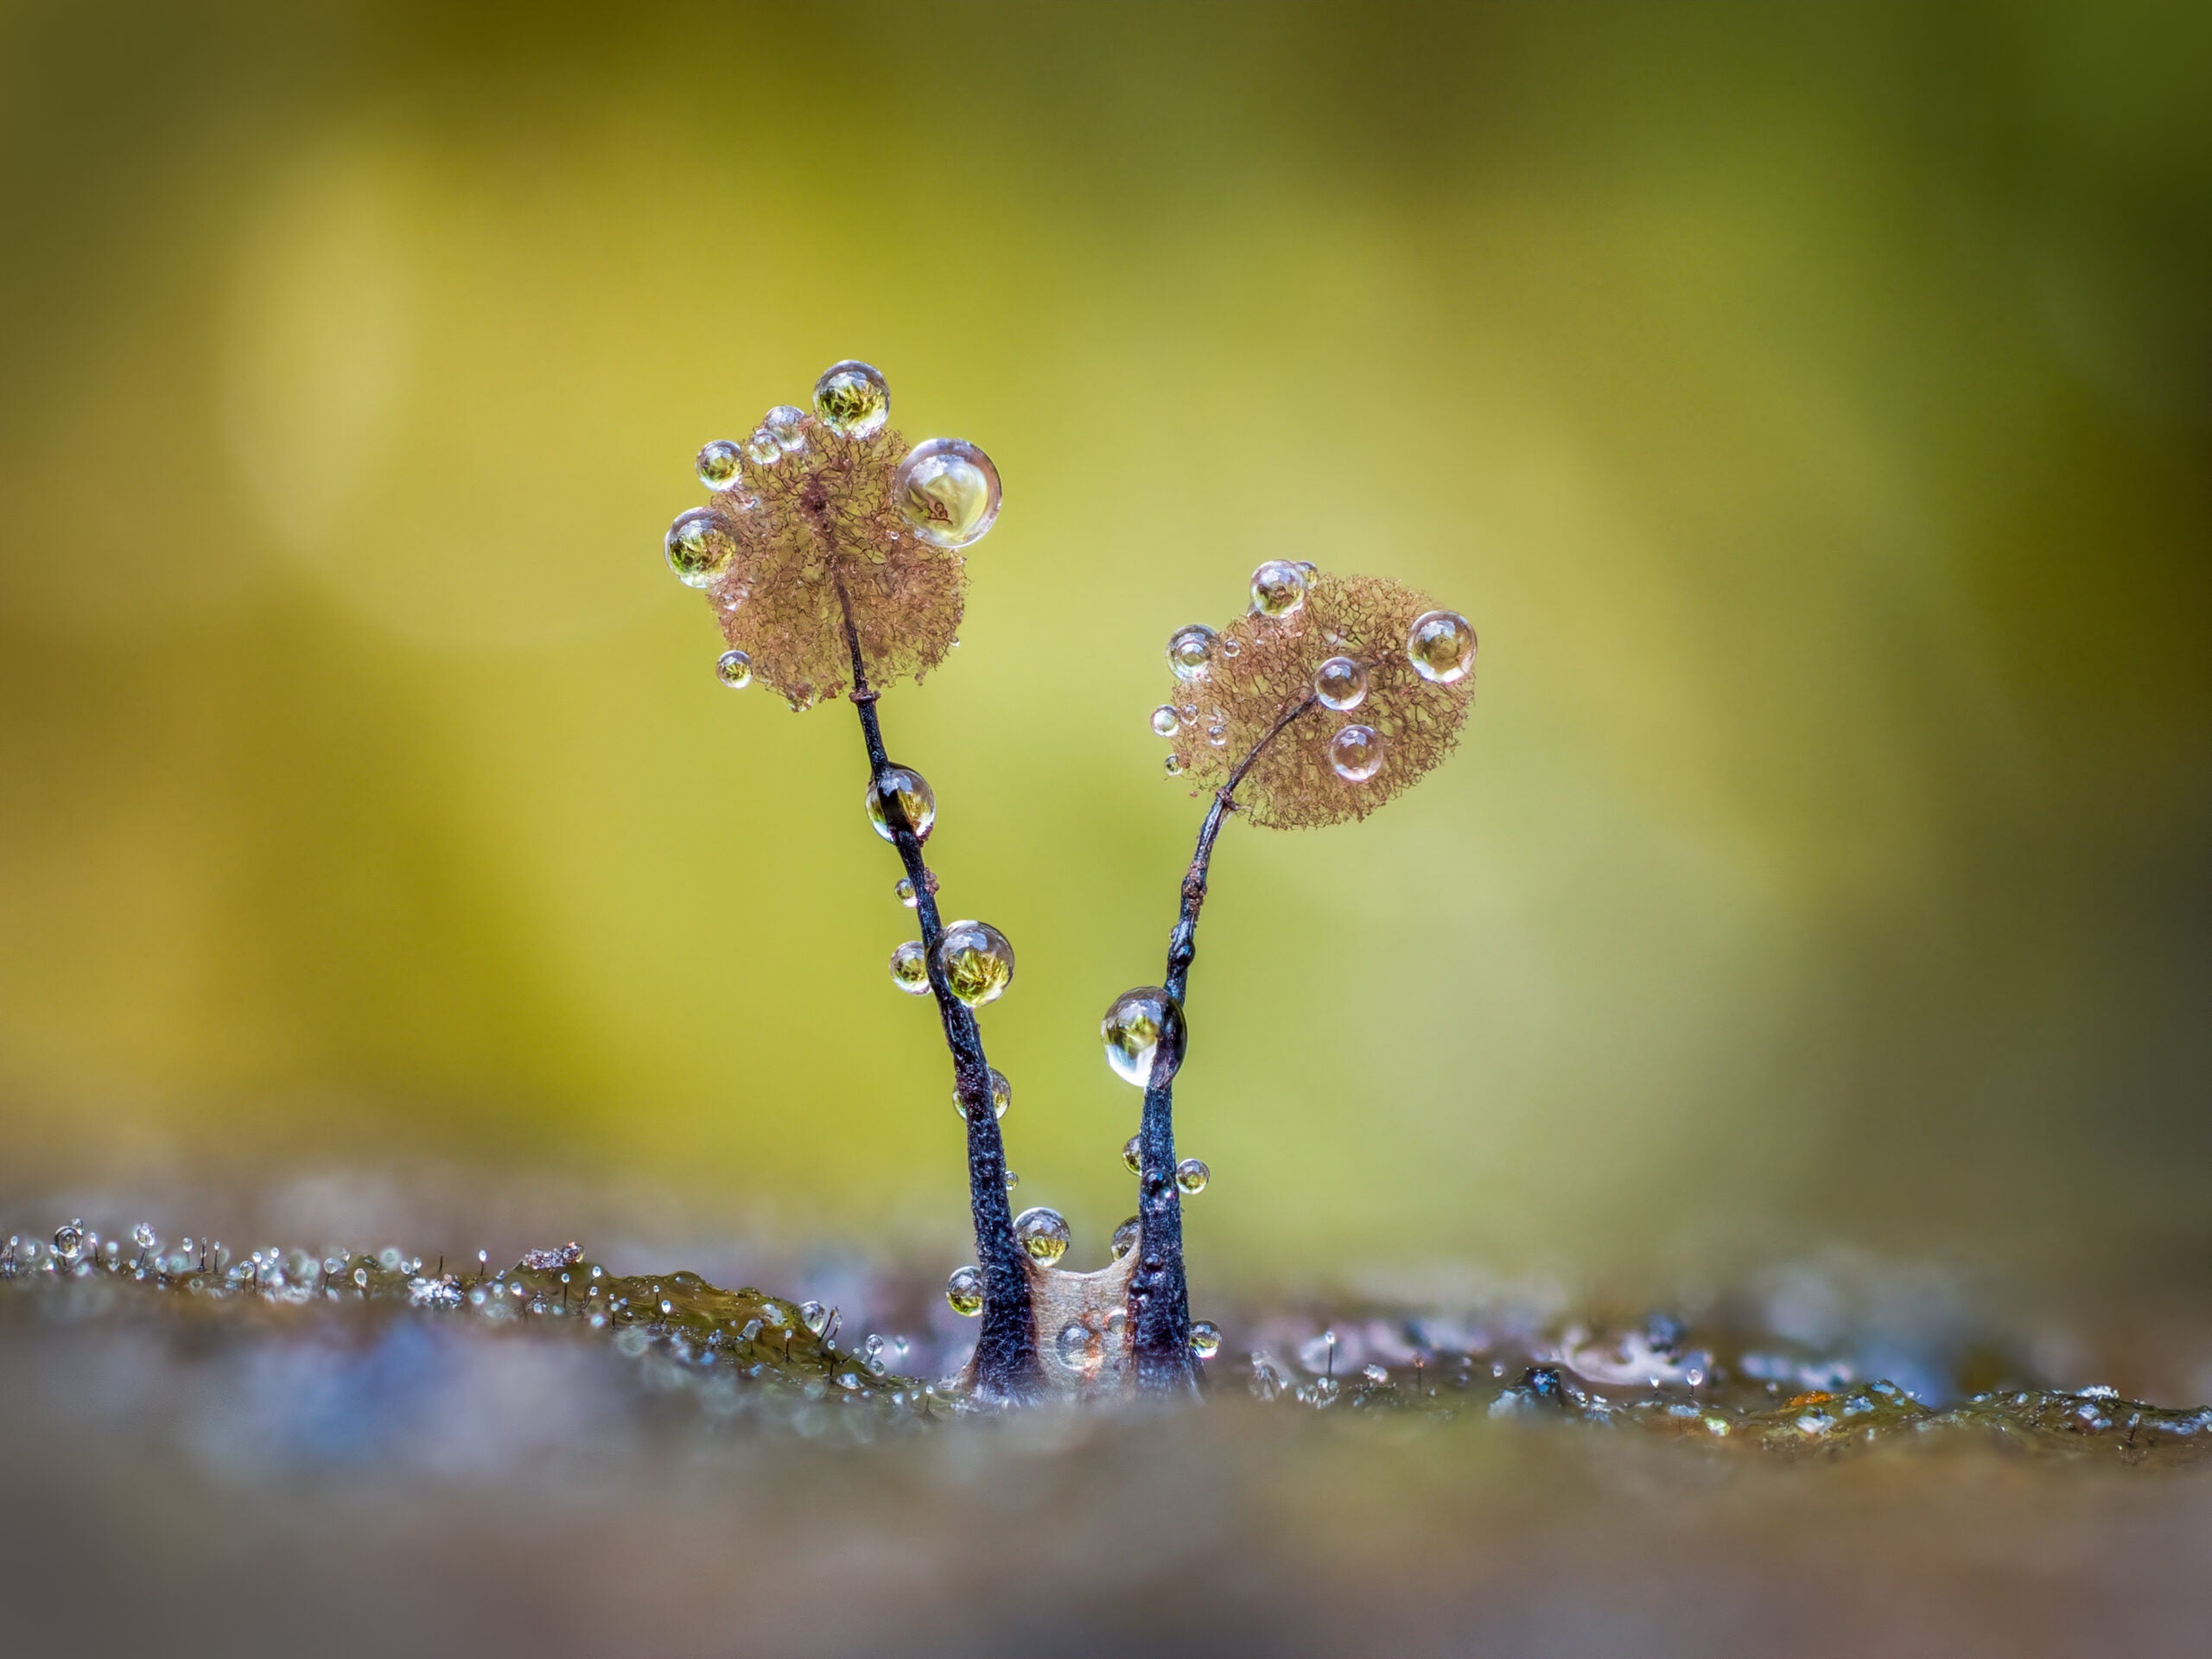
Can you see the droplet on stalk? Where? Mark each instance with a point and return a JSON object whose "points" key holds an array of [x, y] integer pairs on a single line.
{"points": [[1125, 1237], [976, 962], [910, 968], [963, 1291], [1144, 1035], [916, 799], [1205, 1338], [1001, 1096], [1192, 1175], [1043, 1233]]}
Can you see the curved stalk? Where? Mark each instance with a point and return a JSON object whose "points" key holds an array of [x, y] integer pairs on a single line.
{"points": [[1160, 1300], [1006, 1366]]}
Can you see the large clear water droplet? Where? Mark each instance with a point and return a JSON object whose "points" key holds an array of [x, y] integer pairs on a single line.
{"points": [[718, 465], [787, 426], [965, 1291], [853, 398], [1278, 588], [948, 491], [915, 797], [1191, 650], [1001, 1096], [1043, 1233], [813, 1316], [1133, 1152], [762, 449], [144, 1236], [910, 968], [69, 1243], [1077, 1344], [1173, 766], [734, 670], [976, 962], [1192, 1175], [1144, 1036], [903, 890], [1166, 721], [1125, 1237], [697, 548], [1205, 1338], [1340, 684], [1441, 647], [1356, 753]]}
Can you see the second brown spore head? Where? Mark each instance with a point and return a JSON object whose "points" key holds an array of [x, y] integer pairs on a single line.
{"points": [[818, 520]]}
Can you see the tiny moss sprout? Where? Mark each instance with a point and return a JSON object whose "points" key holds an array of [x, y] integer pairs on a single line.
{"points": [[831, 551]]}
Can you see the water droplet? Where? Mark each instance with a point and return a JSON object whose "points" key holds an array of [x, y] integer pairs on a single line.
{"points": [[1166, 721], [903, 889], [1191, 650], [1230, 644], [910, 968], [1001, 1096], [916, 799], [69, 1243], [976, 962], [1144, 1035], [1133, 1151], [1310, 571], [1205, 1338], [1218, 735], [719, 465], [1077, 1344], [1278, 588], [1377, 1374], [1192, 1175], [734, 670], [1043, 1233], [145, 1237], [1340, 684], [1356, 752], [1173, 766], [853, 399], [697, 548], [814, 1317], [787, 426], [1012, 1181], [1442, 645], [1125, 1237], [762, 449], [948, 491]]}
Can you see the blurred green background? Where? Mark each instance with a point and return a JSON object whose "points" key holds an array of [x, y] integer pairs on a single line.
{"points": [[1809, 405]]}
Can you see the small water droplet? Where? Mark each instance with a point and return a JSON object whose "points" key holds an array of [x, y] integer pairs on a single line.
{"points": [[1077, 1344], [903, 890], [814, 1317], [853, 398], [734, 670], [762, 449], [916, 799], [1116, 1321], [697, 548], [948, 491], [1192, 1175], [1205, 1338], [1166, 721], [1125, 1237], [1012, 1181], [1356, 753], [1133, 1151], [1043, 1233], [1191, 650], [1144, 1035], [976, 962], [1230, 644], [787, 426], [145, 1237], [909, 968], [1173, 766], [1375, 1374], [719, 465], [1001, 1096], [1278, 588], [1441, 647], [1218, 735], [69, 1243], [1340, 684]]}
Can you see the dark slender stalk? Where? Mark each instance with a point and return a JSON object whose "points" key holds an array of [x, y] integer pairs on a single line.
{"points": [[1007, 1367], [1160, 1297]]}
